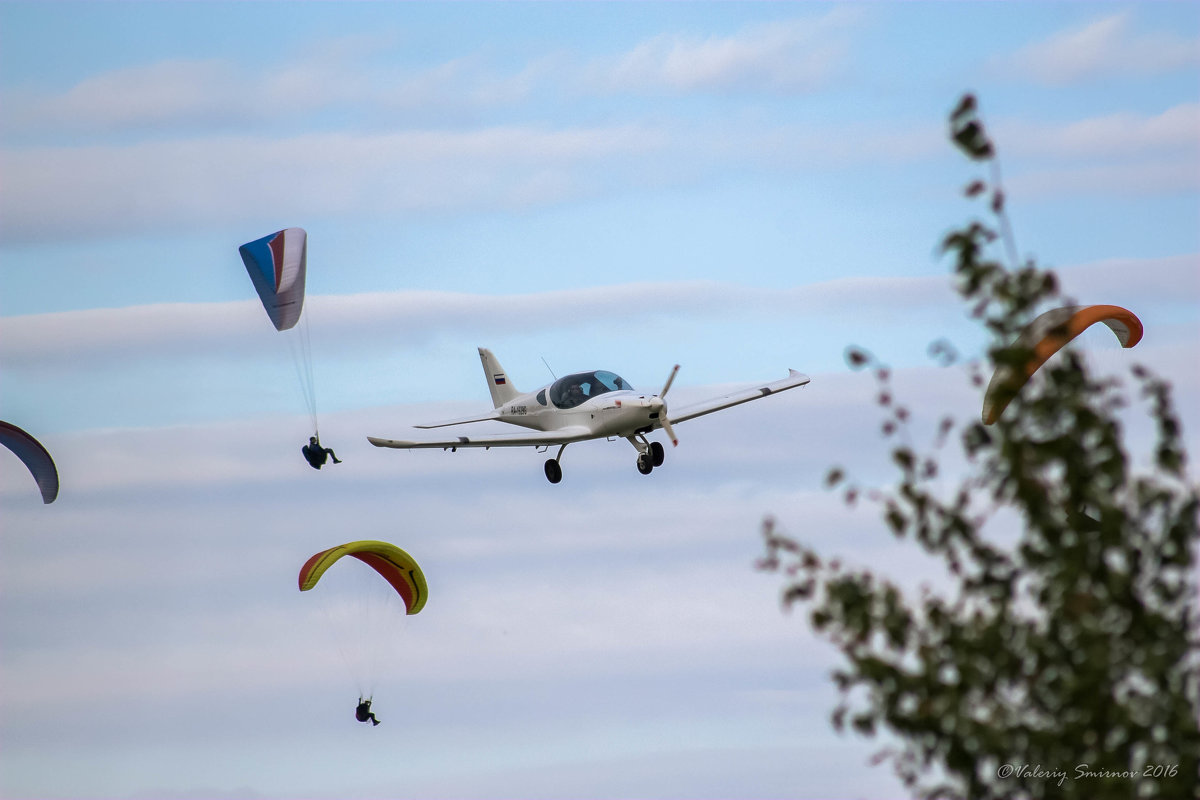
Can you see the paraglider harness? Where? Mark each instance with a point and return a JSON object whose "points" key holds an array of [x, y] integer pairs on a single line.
{"points": [[363, 713], [316, 455]]}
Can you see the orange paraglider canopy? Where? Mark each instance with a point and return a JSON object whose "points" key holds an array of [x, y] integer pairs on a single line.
{"points": [[1044, 337]]}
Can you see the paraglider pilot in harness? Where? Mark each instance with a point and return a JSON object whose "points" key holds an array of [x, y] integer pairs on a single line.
{"points": [[364, 713], [315, 454]]}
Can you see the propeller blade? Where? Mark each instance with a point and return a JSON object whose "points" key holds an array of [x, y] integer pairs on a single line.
{"points": [[666, 426], [666, 423], [670, 380]]}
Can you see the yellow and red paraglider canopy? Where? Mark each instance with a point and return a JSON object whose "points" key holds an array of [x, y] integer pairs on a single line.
{"points": [[396, 567]]}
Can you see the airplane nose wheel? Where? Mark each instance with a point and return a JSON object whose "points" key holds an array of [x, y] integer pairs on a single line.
{"points": [[657, 453], [553, 471], [645, 463]]}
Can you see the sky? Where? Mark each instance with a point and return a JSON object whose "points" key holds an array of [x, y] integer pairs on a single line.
{"points": [[739, 188]]}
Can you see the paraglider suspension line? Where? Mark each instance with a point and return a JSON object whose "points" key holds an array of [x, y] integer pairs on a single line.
{"points": [[1006, 231], [301, 346]]}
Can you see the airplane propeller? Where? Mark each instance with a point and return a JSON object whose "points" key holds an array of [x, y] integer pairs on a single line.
{"points": [[666, 423]]}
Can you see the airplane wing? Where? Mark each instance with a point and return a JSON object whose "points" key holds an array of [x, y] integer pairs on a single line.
{"points": [[793, 380], [574, 433]]}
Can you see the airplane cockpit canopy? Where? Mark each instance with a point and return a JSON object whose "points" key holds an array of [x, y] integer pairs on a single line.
{"points": [[571, 390]]}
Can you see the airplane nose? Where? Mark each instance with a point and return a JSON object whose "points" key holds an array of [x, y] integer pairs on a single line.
{"points": [[652, 403]]}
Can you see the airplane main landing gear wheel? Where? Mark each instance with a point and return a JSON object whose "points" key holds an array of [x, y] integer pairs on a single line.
{"points": [[657, 453], [553, 471], [645, 463]]}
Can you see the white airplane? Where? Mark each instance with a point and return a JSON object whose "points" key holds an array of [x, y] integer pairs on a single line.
{"points": [[579, 407]]}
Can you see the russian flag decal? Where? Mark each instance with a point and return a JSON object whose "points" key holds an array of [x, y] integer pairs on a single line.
{"points": [[499, 379]]}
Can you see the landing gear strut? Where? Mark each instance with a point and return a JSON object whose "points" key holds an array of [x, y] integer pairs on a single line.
{"points": [[553, 469], [650, 454]]}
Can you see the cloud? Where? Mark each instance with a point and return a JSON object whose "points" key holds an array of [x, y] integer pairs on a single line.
{"points": [[162, 586], [1115, 154], [418, 316], [176, 92], [342, 74], [1124, 135], [1160, 283], [107, 190], [1106, 47], [74, 338], [798, 55], [167, 569], [169, 97], [1145, 179], [815, 147], [215, 95]]}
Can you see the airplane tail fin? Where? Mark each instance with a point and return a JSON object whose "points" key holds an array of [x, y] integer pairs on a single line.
{"points": [[498, 384]]}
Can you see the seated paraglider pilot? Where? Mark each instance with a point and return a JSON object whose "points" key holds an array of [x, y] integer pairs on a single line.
{"points": [[364, 713], [315, 454]]}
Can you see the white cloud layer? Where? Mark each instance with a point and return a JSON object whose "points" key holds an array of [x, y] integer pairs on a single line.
{"points": [[219, 94], [105, 190], [392, 319], [164, 579], [1125, 135], [108, 190], [1112, 155], [1109, 46], [213, 94], [1143, 179], [798, 55], [605, 637], [588, 623]]}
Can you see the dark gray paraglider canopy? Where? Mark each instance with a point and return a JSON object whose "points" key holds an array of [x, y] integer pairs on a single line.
{"points": [[35, 457]]}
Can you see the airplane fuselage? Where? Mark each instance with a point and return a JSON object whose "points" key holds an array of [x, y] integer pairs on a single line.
{"points": [[618, 413]]}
